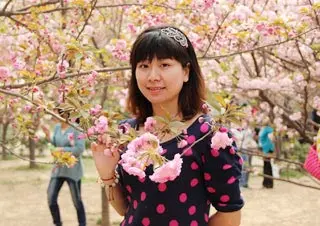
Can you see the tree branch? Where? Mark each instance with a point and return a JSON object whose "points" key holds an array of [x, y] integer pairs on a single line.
{"points": [[6, 14], [260, 47], [94, 2], [6, 5], [293, 124], [52, 2], [217, 31], [71, 75], [39, 105]]}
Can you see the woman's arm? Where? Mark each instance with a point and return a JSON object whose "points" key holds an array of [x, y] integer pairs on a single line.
{"points": [[225, 219], [106, 169], [119, 203]]}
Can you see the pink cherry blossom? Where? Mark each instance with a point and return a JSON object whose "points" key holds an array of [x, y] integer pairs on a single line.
{"points": [[82, 136], [149, 124], [91, 78], [4, 74], [221, 140], [295, 116], [96, 110], [101, 125], [169, 171]]}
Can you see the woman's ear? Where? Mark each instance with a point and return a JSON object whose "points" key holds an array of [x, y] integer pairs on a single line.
{"points": [[187, 72]]}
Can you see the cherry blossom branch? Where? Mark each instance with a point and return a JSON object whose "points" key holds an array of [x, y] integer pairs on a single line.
{"points": [[296, 64], [299, 164], [315, 13], [6, 6], [93, 4], [294, 125], [15, 13], [217, 31], [25, 159], [68, 76], [71, 75], [255, 153], [42, 106], [305, 89], [260, 47], [51, 2], [289, 181]]}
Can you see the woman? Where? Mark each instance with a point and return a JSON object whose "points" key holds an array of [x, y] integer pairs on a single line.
{"points": [[166, 78], [65, 139], [267, 146]]}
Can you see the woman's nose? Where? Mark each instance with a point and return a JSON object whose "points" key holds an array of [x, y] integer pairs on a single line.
{"points": [[154, 73]]}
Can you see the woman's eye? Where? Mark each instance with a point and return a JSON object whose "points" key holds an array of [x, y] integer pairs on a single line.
{"points": [[165, 65], [143, 66]]}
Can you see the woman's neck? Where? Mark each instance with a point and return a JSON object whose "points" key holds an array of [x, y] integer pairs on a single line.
{"points": [[64, 125], [161, 111]]}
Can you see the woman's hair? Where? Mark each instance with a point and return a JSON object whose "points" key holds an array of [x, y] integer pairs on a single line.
{"points": [[155, 42]]}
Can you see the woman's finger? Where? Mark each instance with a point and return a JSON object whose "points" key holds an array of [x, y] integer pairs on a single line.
{"points": [[93, 146]]}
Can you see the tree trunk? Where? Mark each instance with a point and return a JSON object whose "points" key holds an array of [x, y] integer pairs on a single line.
{"points": [[105, 214], [32, 151], [4, 140]]}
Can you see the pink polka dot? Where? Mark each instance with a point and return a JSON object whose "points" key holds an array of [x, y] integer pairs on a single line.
{"points": [[162, 187], [207, 176], [222, 204], [226, 166], [194, 166], [208, 202], [173, 223], [232, 151], [145, 221], [224, 198], [135, 204], [123, 223], [194, 182], [129, 189], [204, 127], [183, 197], [211, 190], [188, 152], [214, 152], [143, 196], [129, 198], [231, 180], [130, 219], [142, 180], [192, 210], [194, 223], [191, 139], [241, 161], [223, 129], [206, 217], [161, 208]]}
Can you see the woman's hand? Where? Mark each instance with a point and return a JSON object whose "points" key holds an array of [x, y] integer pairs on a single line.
{"points": [[105, 159]]}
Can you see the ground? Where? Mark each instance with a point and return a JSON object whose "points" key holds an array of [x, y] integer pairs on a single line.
{"points": [[24, 203]]}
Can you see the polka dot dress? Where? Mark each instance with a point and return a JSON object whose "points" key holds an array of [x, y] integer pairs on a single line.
{"points": [[208, 177]]}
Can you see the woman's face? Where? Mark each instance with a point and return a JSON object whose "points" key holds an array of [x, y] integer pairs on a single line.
{"points": [[161, 81]]}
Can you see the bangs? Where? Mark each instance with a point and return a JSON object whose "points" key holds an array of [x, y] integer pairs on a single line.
{"points": [[155, 44]]}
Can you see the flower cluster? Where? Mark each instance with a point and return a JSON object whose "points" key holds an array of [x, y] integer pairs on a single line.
{"points": [[62, 158]]}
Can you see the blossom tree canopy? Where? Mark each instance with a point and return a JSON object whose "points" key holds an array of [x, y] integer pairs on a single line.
{"points": [[262, 54]]}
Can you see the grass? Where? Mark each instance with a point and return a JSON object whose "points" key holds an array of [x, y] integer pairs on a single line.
{"points": [[291, 173], [38, 167]]}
